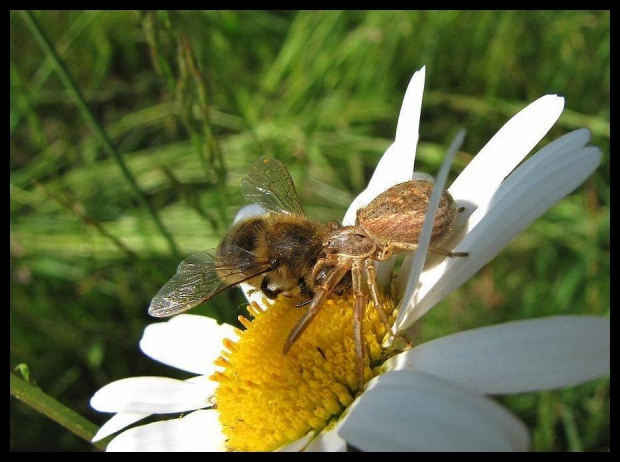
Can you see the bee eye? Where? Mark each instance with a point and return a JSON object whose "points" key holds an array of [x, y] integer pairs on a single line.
{"points": [[274, 263]]}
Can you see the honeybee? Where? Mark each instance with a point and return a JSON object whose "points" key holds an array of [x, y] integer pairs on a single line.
{"points": [[274, 253], [286, 253]]}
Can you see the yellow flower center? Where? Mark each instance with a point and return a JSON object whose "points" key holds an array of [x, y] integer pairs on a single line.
{"points": [[266, 399]]}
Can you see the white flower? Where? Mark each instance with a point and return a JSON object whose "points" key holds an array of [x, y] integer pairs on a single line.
{"points": [[431, 397]]}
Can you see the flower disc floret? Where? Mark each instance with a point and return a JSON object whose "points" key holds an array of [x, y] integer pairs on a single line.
{"points": [[266, 398]]}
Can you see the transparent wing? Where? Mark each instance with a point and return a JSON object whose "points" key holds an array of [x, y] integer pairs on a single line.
{"points": [[202, 276], [270, 185]]}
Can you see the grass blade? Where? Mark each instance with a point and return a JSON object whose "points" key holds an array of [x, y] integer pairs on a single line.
{"points": [[106, 144]]}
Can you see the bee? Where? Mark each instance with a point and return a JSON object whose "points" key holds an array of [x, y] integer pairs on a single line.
{"points": [[274, 253], [286, 253]]}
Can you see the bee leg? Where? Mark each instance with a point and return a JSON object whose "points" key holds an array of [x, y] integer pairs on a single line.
{"points": [[305, 291], [358, 318], [373, 287], [299, 305], [323, 290]]}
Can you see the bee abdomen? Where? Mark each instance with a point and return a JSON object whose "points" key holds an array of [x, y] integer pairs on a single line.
{"points": [[239, 246], [245, 235]]}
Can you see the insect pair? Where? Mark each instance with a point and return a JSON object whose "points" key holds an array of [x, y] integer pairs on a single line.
{"points": [[285, 252]]}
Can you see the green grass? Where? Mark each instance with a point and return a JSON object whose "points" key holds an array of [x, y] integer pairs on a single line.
{"points": [[188, 100]]}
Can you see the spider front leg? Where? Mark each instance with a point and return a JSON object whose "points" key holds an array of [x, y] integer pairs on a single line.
{"points": [[321, 293], [321, 263]]}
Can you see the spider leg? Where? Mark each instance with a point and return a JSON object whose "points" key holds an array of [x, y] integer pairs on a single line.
{"points": [[405, 247], [358, 318], [321, 262], [371, 280], [323, 290], [446, 253]]}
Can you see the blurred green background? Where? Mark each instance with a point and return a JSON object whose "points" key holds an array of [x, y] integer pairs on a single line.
{"points": [[187, 100]]}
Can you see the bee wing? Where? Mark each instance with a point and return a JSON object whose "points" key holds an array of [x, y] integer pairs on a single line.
{"points": [[270, 185], [200, 277]]}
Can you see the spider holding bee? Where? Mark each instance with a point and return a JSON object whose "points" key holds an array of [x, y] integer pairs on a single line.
{"points": [[285, 252]]}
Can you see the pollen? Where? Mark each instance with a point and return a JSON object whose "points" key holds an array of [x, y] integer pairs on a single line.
{"points": [[266, 399]]}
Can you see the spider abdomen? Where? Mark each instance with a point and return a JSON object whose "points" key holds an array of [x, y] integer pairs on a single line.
{"points": [[397, 214]]}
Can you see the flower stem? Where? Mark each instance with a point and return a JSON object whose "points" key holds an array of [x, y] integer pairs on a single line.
{"points": [[58, 412]]}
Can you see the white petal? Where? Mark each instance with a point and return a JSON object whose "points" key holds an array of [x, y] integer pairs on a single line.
{"points": [[408, 126], [483, 175], [297, 445], [198, 431], [396, 165], [561, 153], [517, 357], [423, 176], [525, 195], [125, 419], [328, 441], [153, 395], [117, 423], [248, 211], [255, 296], [553, 152], [409, 411], [188, 342], [202, 380]]}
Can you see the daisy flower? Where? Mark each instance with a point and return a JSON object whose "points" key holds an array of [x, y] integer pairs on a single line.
{"points": [[432, 396]]}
